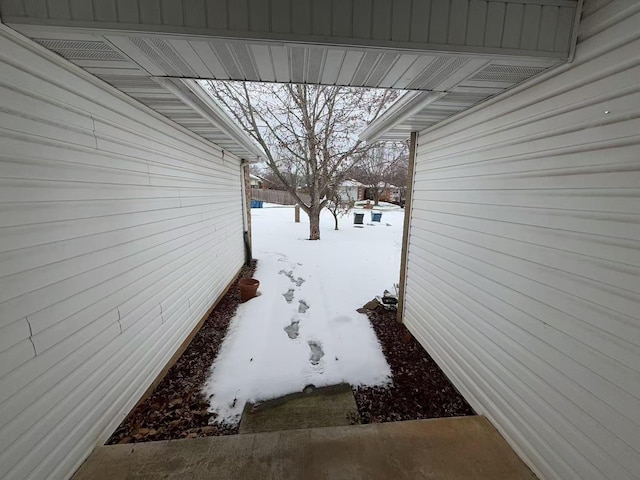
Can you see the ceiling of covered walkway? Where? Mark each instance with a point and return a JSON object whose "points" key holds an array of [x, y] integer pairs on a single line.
{"points": [[458, 52]]}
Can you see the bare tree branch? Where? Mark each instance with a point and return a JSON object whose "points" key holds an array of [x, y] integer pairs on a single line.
{"points": [[308, 133]]}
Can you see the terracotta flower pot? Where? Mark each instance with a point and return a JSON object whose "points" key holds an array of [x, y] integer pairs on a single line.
{"points": [[248, 288]]}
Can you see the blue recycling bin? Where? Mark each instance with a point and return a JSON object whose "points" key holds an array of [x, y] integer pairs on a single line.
{"points": [[256, 203], [376, 216]]}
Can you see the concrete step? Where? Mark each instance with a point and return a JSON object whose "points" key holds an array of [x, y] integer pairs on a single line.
{"points": [[331, 406], [462, 448]]}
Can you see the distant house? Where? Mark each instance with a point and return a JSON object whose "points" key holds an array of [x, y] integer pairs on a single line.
{"points": [[396, 194], [351, 190], [255, 181], [388, 193], [271, 184]]}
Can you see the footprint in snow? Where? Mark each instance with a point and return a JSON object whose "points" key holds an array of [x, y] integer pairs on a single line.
{"points": [[286, 274], [288, 296], [303, 307], [316, 352], [298, 281], [293, 329]]}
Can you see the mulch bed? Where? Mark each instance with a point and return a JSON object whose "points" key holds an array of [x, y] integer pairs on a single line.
{"points": [[419, 390], [177, 408]]}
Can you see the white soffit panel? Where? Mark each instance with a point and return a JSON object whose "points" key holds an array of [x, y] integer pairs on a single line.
{"points": [[540, 28], [409, 115], [128, 62], [178, 101]]}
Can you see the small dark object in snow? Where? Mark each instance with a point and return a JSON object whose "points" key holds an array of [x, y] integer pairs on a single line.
{"points": [[388, 300], [371, 305], [309, 388]]}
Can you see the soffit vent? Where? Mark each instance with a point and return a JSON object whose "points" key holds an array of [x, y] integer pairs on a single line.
{"points": [[316, 59], [443, 73], [506, 73], [226, 57], [74, 45], [382, 68], [172, 57], [82, 50], [245, 60], [91, 55], [296, 56], [155, 56], [168, 101], [130, 81], [367, 64], [431, 69], [461, 97]]}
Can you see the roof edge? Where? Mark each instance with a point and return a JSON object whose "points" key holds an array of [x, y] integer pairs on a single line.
{"points": [[409, 104], [193, 95]]}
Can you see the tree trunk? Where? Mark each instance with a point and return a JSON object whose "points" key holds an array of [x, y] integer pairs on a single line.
{"points": [[335, 219], [314, 223], [376, 196]]}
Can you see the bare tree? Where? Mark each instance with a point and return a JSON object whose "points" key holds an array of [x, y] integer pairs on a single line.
{"points": [[399, 177], [382, 164], [334, 205], [339, 204], [308, 133], [400, 172]]}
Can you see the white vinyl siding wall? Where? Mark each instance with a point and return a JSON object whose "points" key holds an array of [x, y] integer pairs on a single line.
{"points": [[118, 231], [524, 256]]}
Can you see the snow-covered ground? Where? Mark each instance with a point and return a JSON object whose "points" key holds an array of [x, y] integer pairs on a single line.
{"points": [[303, 328]]}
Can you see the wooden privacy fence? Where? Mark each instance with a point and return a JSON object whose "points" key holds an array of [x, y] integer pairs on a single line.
{"points": [[281, 197]]}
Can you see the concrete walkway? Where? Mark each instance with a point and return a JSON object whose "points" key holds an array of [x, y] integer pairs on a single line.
{"points": [[464, 448]]}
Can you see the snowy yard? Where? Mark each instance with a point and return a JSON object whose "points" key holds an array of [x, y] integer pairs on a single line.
{"points": [[303, 328]]}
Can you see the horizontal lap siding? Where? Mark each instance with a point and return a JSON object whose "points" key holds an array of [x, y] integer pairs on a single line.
{"points": [[118, 230], [524, 256]]}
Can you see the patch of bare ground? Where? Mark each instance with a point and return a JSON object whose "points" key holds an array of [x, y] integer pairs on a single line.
{"points": [[420, 389], [177, 407]]}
